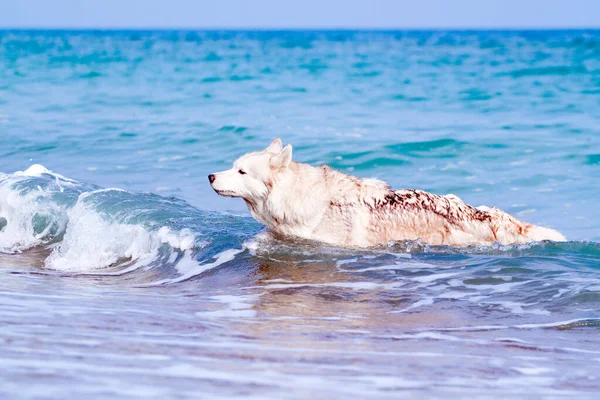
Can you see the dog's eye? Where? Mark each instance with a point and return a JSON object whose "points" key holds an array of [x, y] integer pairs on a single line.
{"points": [[242, 172]]}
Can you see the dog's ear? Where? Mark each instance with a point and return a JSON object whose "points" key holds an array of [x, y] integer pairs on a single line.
{"points": [[283, 159], [275, 146]]}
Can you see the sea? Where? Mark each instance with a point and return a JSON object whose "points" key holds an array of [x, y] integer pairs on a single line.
{"points": [[124, 276]]}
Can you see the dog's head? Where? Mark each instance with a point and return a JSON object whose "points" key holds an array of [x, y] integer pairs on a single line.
{"points": [[252, 174]]}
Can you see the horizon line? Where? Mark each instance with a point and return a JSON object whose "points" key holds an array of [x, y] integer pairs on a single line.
{"points": [[292, 29]]}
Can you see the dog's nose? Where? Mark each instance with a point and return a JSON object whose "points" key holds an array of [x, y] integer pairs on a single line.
{"points": [[211, 178]]}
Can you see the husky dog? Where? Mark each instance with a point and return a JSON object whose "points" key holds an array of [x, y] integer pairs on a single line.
{"points": [[320, 203]]}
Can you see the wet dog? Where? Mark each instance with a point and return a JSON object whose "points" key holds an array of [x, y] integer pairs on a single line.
{"points": [[320, 203]]}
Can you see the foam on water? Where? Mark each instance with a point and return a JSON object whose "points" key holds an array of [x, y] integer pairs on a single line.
{"points": [[82, 227], [90, 242], [31, 217]]}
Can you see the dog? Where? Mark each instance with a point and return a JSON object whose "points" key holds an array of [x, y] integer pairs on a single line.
{"points": [[322, 204]]}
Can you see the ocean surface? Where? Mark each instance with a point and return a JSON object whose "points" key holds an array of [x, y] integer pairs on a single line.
{"points": [[123, 275]]}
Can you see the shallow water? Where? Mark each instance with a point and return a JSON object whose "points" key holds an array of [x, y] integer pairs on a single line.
{"points": [[162, 289]]}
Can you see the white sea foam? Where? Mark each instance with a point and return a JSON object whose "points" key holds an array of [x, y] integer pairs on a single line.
{"points": [[19, 212], [517, 308], [236, 307], [420, 303], [30, 216], [40, 170], [344, 285], [91, 242], [188, 267]]}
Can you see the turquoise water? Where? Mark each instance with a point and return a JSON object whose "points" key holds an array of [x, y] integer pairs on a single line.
{"points": [[124, 275]]}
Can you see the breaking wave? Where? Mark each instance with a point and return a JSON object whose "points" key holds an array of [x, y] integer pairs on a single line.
{"points": [[90, 230]]}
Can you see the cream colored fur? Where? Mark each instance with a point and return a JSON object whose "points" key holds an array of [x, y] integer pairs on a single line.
{"points": [[320, 203]]}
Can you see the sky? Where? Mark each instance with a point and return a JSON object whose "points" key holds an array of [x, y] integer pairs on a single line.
{"points": [[294, 14]]}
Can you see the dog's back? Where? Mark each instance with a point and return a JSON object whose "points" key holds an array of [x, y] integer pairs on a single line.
{"points": [[320, 203], [436, 219], [416, 214]]}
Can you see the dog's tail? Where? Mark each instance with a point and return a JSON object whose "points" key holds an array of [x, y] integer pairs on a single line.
{"points": [[510, 230], [539, 233]]}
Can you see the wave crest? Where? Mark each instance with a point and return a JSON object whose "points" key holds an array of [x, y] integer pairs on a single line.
{"points": [[91, 242], [88, 228]]}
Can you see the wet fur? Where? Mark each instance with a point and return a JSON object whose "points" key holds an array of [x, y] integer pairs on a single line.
{"points": [[320, 203]]}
